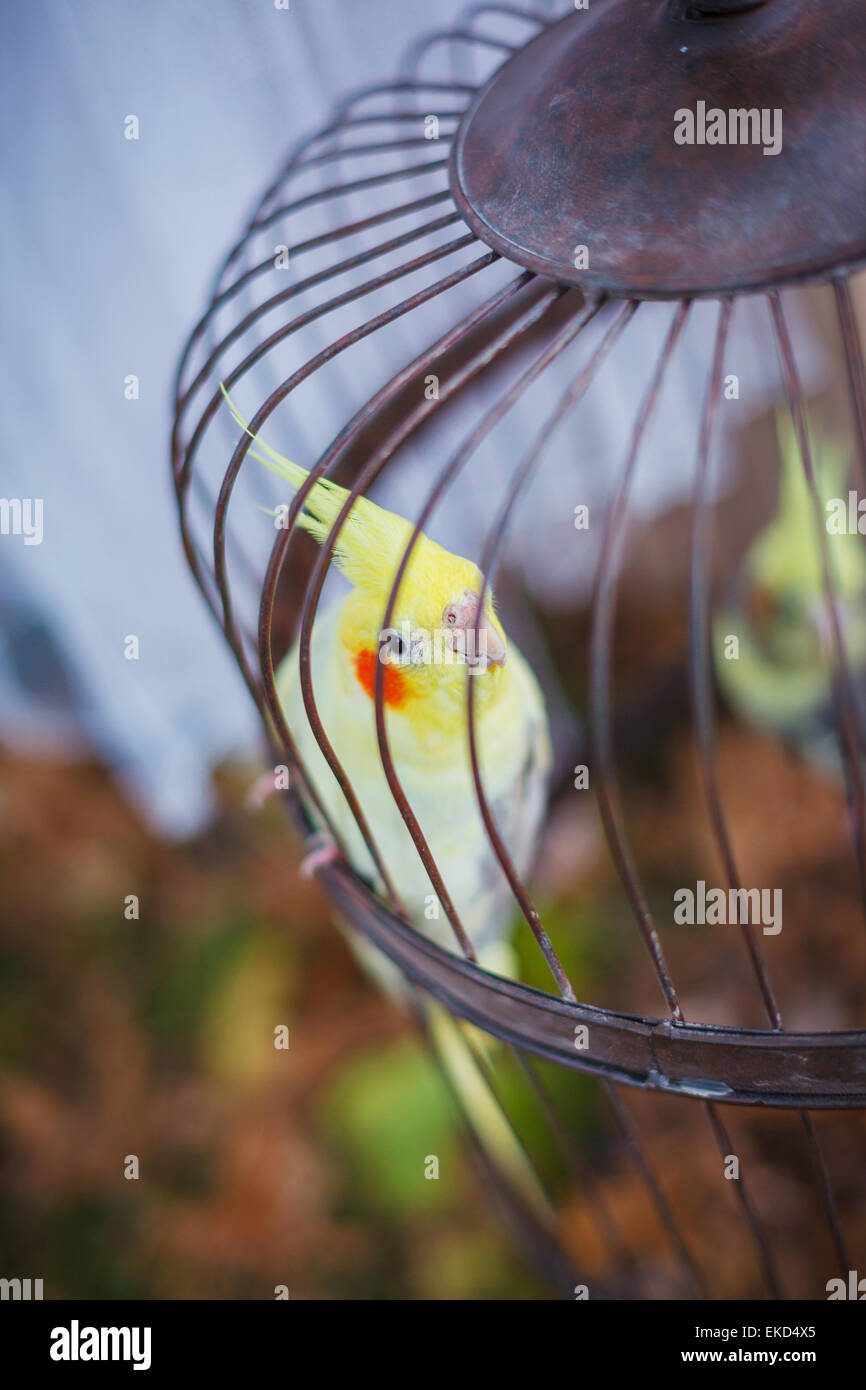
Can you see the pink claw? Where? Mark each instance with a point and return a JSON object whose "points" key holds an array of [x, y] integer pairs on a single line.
{"points": [[262, 789], [319, 858]]}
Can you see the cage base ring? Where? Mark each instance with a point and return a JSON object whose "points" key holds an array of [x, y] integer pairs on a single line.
{"points": [[708, 1062]]}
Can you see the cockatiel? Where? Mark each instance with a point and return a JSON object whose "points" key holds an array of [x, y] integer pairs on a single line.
{"points": [[782, 678], [436, 642]]}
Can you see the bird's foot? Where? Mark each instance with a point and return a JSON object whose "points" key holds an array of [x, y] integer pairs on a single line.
{"points": [[263, 788], [322, 852]]}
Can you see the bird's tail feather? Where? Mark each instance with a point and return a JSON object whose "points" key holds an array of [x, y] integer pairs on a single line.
{"points": [[482, 1109]]}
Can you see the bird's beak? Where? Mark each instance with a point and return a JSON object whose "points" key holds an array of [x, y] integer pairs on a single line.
{"points": [[490, 644], [482, 643], [475, 635]]}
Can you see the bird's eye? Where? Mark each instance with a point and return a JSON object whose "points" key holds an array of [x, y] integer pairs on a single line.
{"points": [[392, 646], [450, 616]]}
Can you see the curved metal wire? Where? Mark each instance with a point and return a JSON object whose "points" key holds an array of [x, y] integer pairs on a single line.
{"points": [[700, 660], [702, 701], [571, 399], [854, 363], [603, 607], [851, 746], [314, 589], [448, 474]]}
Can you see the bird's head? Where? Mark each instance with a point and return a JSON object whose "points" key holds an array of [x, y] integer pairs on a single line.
{"points": [[784, 590], [438, 634]]}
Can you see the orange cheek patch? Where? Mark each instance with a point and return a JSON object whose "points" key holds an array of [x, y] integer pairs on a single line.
{"points": [[397, 688]]}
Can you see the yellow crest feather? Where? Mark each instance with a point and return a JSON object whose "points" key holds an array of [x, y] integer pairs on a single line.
{"points": [[371, 540]]}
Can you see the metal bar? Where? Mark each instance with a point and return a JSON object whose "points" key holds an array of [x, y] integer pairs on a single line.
{"points": [[515, 11], [283, 540], [574, 394], [321, 195], [295, 163], [339, 190], [853, 361], [326, 355], [849, 743], [603, 609], [768, 1264], [182, 476], [739, 1066], [403, 84], [356, 335], [700, 657], [341, 120], [509, 336], [321, 277], [663, 1210], [374, 466], [581, 1170], [334, 192], [702, 700], [363, 258], [487, 1071], [536, 1239], [423, 45], [221, 294], [314, 588], [825, 1192]]}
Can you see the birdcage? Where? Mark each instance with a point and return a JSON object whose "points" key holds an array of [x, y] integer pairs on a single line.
{"points": [[438, 282]]}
